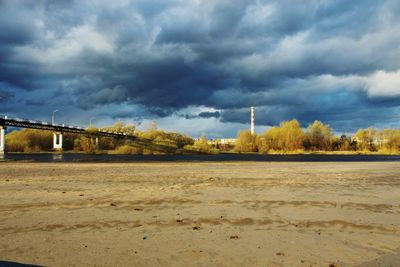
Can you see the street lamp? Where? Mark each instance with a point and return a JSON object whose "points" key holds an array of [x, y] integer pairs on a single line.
{"points": [[90, 122], [52, 117]]}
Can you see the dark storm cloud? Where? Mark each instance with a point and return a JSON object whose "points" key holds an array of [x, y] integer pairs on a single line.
{"points": [[207, 114], [4, 96], [307, 60], [103, 96]]}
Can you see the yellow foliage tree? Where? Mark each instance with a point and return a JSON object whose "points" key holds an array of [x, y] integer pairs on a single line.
{"points": [[319, 136], [246, 142], [391, 140], [365, 139], [287, 137], [202, 145], [29, 140]]}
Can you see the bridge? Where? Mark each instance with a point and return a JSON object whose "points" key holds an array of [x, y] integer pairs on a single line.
{"points": [[59, 129]]}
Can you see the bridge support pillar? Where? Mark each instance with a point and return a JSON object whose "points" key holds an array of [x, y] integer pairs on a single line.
{"points": [[2, 139], [97, 141], [57, 141]]}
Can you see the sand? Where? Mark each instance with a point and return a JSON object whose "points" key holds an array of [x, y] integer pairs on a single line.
{"points": [[200, 214]]}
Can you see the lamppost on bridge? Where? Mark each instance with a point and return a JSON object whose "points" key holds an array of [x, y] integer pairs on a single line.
{"points": [[90, 122], [96, 140], [52, 117]]}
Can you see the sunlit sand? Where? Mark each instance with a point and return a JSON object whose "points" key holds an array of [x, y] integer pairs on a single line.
{"points": [[200, 214]]}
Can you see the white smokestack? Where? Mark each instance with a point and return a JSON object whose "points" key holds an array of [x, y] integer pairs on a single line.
{"points": [[252, 120]]}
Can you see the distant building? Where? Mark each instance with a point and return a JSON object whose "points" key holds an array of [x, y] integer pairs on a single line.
{"points": [[374, 140], [223, 141], [223, 144], [228, 141]]}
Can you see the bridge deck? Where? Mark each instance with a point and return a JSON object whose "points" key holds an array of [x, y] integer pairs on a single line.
{"points": [[42, 125]]}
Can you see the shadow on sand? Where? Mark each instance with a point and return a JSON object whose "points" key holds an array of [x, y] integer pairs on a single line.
{"points": [[389, 259], [16, 264]]}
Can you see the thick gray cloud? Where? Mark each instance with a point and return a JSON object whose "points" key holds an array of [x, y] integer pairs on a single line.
{"points": [[336, 61]]}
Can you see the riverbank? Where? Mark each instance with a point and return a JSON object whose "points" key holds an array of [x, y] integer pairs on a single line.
{"points": [[81, 157], [298, 152], [200, 214]]}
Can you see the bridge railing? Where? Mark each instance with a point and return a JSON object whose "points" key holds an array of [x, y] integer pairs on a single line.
{"points": [[44, 125]]}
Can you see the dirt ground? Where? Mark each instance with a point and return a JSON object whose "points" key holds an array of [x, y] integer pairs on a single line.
{"points": [[200, 214]]}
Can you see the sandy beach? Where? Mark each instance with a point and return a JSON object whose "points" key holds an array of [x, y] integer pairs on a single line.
{"points": [[200, 214]]}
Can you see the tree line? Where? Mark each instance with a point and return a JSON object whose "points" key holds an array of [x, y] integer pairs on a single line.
{"points": [[32, 140], [289, 137]]}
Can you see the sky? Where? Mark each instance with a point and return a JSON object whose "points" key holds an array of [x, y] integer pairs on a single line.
{"points": [[196, 66]]}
